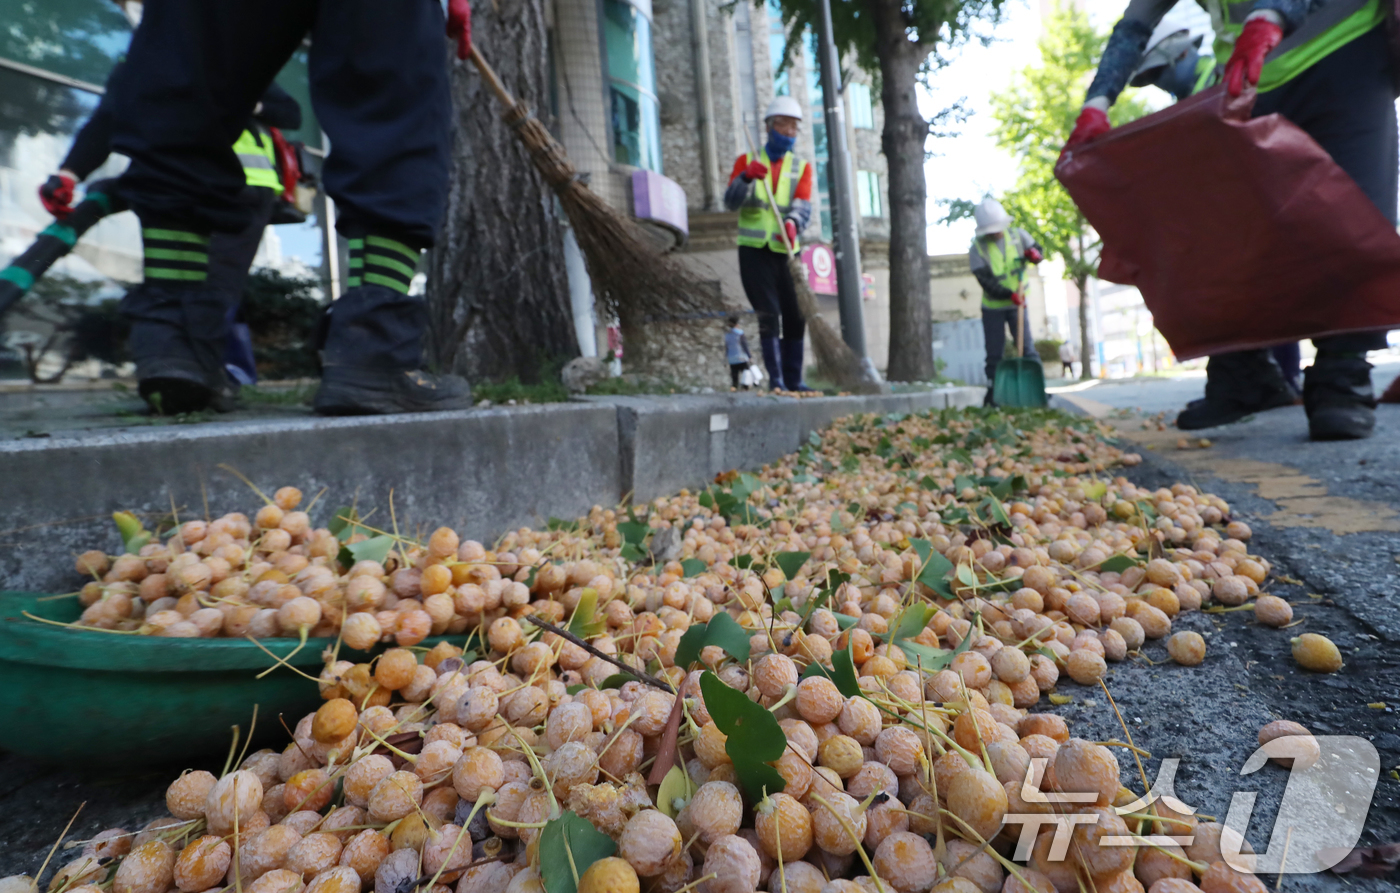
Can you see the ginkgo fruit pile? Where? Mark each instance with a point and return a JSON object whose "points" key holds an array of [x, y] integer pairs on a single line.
{"points": [[858, 635]]}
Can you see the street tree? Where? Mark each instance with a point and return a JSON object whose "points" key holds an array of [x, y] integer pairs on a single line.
{"points": [[902, 42], [498, 294], [1034, 117]]}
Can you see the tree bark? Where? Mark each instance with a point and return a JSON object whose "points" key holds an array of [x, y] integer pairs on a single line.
{"points": [[1086, 342], [905, 132], [497, 289]]}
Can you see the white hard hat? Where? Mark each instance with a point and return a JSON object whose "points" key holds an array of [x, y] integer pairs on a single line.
{"points": [[785, 106], [1165, 52], [991, 217]]}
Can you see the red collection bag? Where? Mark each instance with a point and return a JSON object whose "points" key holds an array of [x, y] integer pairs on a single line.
{"points": [[1238, 232]]}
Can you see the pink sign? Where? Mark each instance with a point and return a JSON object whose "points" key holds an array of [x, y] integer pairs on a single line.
{"points": [[867, 287], [821, 268], [659, 198]]}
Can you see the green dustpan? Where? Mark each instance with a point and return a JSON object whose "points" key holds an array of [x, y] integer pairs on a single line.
{"points": [[1020, 382]]}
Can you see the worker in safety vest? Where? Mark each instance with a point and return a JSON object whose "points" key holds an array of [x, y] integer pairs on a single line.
{"points": [[763, 258], [192, 78], [1324, 65], [1001, 257]]}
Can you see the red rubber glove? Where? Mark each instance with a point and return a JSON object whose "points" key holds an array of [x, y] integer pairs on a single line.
{"points": [[459, 26], [791, 229], [1247, 61], [756, 170], [57, 195], [1091, 123], [1034, 256], [1018, 299]]}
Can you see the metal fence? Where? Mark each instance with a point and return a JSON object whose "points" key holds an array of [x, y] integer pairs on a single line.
{"points": [[960, 345]]}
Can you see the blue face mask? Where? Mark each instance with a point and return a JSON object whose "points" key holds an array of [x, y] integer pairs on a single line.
{"points": [[778, 145]]}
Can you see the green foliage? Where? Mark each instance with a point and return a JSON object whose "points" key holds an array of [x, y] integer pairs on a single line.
{"points": [[548, 390], [568, 845], [282, 314], [1035, 116], [753, 736], [722, 630], [1049, 349]]}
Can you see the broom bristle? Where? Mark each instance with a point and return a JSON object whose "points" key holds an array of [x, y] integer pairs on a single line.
{"points": [[834, 356]]}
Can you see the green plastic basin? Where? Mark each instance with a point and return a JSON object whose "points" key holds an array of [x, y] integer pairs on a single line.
{"points": [[90, 698]]}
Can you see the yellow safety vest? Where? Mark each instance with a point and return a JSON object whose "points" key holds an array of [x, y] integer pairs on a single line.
{"points": [[758, 227], [1306, 46], [1008, 264], [258, 156]]}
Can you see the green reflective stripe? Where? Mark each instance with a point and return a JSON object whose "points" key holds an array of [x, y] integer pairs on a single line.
{"points": [[1294, 62], [356, 262], [994, 304], [352, 281], [381, 242], [380, 260], [194, 257], [355, 244], [1008, 268], [187, 275], [1205, 74], [173, 235], [758, 226], [102, 199], [61, 231], [19, 276], [387, 282]]}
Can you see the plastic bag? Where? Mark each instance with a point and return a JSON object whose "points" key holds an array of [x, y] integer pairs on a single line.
{"points": [[1239, 232], [751, 377]]}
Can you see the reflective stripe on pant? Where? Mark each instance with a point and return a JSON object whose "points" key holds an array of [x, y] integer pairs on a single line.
{"points": [[1346, 102], [995, 325], [769, 288], [379, 82]]}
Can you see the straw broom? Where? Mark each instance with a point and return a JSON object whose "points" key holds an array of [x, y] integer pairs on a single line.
{"points": [[834, 355], [632, 281]]}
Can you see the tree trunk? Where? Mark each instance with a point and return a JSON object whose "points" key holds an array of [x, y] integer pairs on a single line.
{"points": [[497, 290], [906, 131], [1086, 342]]}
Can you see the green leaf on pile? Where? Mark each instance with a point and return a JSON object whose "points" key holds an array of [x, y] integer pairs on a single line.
{"points": [[691, 567], [791, 562], [930, 659], [617, 680], [933, 568], [753, 737], [722, 630], [676, 786], [634, 533], [910, 622], [373, 549], [1117, 564], [586, 623], [568, 845], [342, 522]]}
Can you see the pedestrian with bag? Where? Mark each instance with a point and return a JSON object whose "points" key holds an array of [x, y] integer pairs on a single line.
{"points": [[379, 83], [1327, 67], [1001, 257], [736, 349], [763, 257]]}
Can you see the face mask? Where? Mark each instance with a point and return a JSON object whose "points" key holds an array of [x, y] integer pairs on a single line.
{"points": [[779, 145]]}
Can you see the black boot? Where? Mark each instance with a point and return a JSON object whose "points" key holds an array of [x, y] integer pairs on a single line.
{"points": [[771, 361], [373, 351], [792, 350], [1337, 394], [177, 339], [1237, 384]]}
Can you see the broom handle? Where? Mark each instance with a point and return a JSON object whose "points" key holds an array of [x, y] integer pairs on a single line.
{"points": [[772, 202], [1020, 327], [492, 79]]}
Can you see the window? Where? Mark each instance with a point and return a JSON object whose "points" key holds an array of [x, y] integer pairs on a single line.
{"points": [[777, 46], [862, 112], [868, 194], [636, 114]]}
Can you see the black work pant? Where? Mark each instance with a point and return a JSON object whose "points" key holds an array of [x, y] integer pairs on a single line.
{"points": [[1346, 102], [379, 84], [995, 324], [769, 287]]}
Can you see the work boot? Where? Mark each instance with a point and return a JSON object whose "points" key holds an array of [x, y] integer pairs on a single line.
{"points": [[792, 351], [372, 356], [1338, 397], [771, 362], [1237, 384], [176, 341]]}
